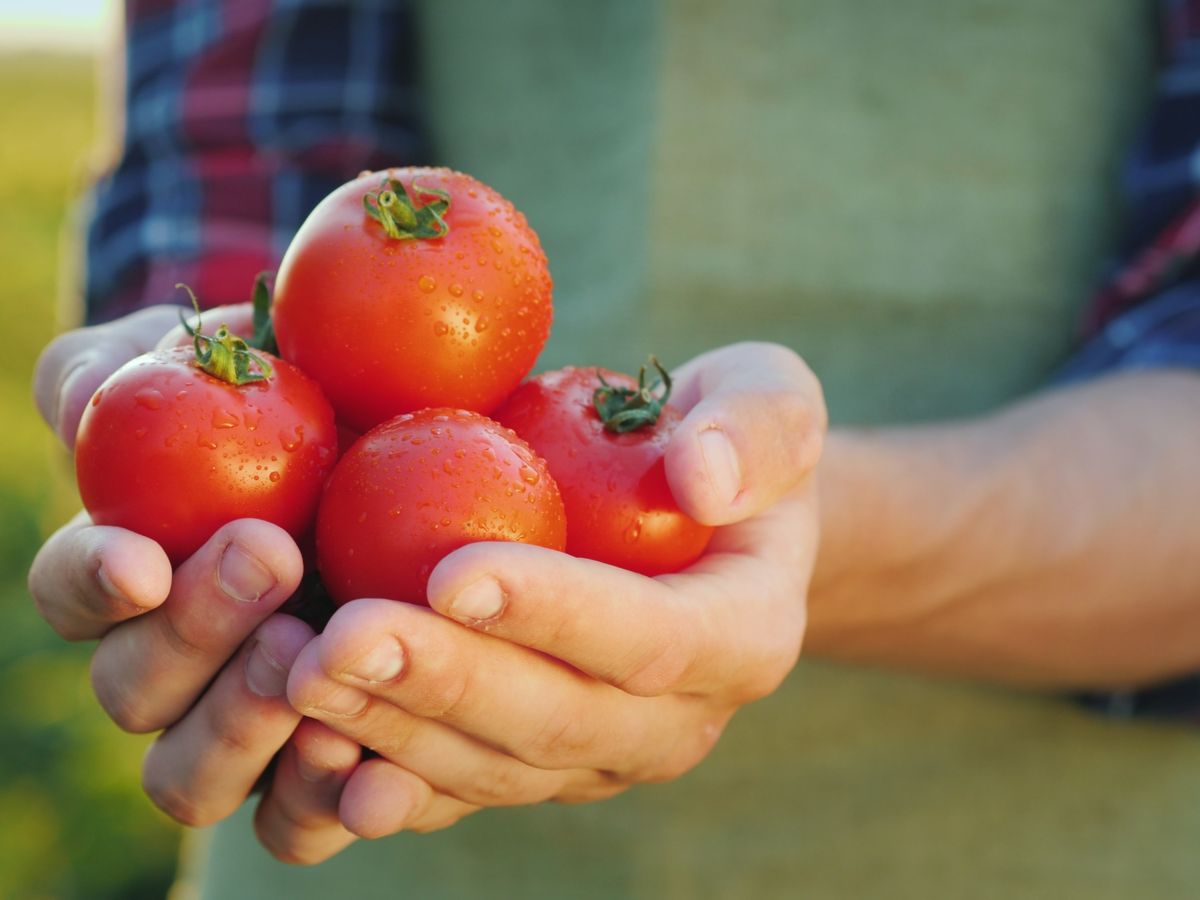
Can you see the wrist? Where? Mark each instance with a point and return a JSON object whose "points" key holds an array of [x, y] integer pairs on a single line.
{"points": [[900, 512]]}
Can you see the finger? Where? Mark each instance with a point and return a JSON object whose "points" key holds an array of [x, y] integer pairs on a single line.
{"points": [[75, 364], [381, 799], [297, 820], [450, 761], [544, 714], [238, 317], [725, 627], [754, 428], [149, 670], [87, 578], [204, 766]]}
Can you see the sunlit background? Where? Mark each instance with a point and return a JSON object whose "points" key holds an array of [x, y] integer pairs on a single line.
{"points": [[70, 25], [73, 822]]}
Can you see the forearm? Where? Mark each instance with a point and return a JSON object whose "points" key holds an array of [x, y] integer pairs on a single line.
{"points": [[1053, 543]]}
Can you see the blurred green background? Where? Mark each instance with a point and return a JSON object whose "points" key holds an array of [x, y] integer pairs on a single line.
{"points": [[73, 820]]}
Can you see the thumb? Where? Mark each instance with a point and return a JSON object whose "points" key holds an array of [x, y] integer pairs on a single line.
{"points": [[754, 426]]}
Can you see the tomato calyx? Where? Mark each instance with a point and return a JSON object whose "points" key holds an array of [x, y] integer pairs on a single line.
{"points": [[223, 354], [623, 409], [393, 208]]}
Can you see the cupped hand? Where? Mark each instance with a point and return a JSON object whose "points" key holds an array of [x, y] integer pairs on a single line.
{"points": [[199, 652], [538, 676]]}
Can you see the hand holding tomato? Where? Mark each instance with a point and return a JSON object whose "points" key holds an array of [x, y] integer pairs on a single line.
{"points": [[574, 679], [199, 651]]}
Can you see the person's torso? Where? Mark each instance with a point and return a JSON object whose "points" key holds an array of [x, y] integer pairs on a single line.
{"points": [[915, 196]]}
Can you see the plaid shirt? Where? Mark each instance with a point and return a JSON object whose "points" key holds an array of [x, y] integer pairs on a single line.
{"points": [[243, 114]]}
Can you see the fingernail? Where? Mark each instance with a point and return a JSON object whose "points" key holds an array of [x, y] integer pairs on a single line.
{"points": [[243, 577], [382, 663], [478, 601], [345, 701], [721, 464], [265, 675]]}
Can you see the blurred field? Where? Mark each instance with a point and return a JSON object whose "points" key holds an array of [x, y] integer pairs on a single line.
{"points": [[73, 822]]}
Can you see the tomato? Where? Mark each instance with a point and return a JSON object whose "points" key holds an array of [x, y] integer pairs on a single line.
{"points": [[173, 452], [421, 485], [453, 312], [614, 485]]}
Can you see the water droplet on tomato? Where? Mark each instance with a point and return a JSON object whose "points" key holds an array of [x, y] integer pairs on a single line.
{"points": [[440, 328], [274, 476], [96, 398], [206, 441], [427, 284], [481, 323], [477, 295], [529, 475], [456, 290], [139, 432], [291, 442], [633, 531], [223, 418], [494, 231], [147, 398]]}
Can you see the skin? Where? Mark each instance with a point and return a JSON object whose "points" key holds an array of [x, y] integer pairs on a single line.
{"points": [[1012, 547], [437, 763]]}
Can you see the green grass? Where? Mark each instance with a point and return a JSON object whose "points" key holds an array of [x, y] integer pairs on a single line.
{"points": [[73, 821]]}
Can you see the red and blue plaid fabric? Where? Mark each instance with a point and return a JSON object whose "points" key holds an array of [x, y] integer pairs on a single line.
{"points": [[243, 114], [240, 116]]}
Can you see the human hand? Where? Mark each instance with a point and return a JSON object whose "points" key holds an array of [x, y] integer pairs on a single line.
{"points": [[573, 680], [199, 651]]}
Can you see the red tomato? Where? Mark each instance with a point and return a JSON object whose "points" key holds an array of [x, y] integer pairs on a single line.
{"points": [[172, 452], [614, 486], [452, 313], [421, 485]]}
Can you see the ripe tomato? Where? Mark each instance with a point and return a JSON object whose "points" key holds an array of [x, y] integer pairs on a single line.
{"points": [[173, 452], [452, 311], [421, 485], [614, 485]]}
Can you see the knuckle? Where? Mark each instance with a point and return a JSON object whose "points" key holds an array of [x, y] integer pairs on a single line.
{"points": [[179, 643], [503, 785], [235, 735], [283, 841], [177, 803], [395, 737], [663, 666], [447, 695], [127, 708], [562, 740]]}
